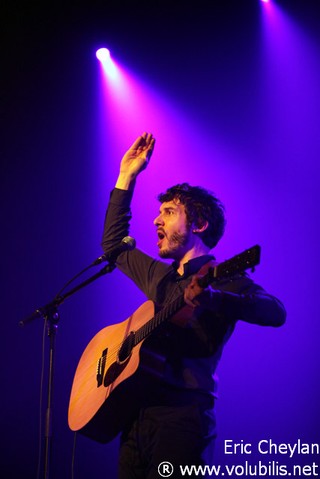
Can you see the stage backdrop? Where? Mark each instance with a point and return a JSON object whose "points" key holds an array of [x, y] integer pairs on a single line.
{"points": [[230, 90]]}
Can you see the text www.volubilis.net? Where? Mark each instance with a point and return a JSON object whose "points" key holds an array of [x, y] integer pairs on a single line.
{"points": [[260, 469]]}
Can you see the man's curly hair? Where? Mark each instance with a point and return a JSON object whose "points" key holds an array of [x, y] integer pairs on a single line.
{"points": [[200, 206]]}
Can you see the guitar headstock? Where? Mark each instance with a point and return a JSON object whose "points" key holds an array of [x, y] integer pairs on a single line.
{"points": [[237, 264]]}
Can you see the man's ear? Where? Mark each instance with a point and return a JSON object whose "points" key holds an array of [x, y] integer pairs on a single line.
{"points": [[200, 228]]}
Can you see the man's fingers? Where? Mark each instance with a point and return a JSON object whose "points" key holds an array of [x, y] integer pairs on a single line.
{"points": [[136, 144], [150, 148], [145, 141]]}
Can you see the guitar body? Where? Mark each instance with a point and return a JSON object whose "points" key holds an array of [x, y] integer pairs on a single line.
{"points": [[101, 381]]}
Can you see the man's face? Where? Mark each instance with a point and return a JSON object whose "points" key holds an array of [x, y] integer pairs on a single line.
{"points": [[174, 236]]}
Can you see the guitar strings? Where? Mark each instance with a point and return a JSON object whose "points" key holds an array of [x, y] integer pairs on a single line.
{"points": [[144, 330]]}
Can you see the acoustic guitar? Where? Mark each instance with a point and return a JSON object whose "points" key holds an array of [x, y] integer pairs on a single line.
{"points": [[107, 367]]}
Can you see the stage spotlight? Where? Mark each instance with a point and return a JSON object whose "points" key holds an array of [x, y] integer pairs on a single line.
{"points": [[107, 64], [103, 54]]}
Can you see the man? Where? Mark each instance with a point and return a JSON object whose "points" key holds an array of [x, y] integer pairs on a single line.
{"points": [[176, 388]]}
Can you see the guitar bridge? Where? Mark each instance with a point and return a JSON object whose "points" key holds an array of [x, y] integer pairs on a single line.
{"points": [[101, 367]]}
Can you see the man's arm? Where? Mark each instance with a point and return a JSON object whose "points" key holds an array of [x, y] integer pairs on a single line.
{"points": [[140, 267], [118, 215], [252, 304]]}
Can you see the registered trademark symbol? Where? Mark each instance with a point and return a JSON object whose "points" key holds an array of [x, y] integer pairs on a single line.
{"points": [[165, 469]]}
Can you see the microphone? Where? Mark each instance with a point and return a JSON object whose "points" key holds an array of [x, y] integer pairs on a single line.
{"points": [[127, 244]]}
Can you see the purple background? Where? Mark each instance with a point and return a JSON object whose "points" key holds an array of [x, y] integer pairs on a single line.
{"points": [[231, 92]]}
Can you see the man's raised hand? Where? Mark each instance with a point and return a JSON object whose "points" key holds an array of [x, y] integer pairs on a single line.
{"points": [[135, 160]]}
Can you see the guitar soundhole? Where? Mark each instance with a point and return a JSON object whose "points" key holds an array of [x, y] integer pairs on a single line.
{"points": [[122, 360], [126, 348]]}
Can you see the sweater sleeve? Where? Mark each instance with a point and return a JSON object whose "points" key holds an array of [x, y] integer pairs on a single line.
{"points": [[242, 299], [141, 268], [118, 216], [256, 308]]}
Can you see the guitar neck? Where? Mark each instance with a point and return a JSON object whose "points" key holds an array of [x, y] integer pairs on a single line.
{"points": [[159, 318]]}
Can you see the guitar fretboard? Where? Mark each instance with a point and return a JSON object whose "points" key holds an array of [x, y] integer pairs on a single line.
{"points": [[163, 315]]}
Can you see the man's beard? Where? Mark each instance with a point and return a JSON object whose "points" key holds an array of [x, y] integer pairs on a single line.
{"points": [[176, 243]]}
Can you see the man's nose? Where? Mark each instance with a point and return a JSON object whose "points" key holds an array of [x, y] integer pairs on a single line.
{"points": [[158, 221]]}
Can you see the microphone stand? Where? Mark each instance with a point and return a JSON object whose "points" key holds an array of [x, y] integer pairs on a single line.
{"points": [[50, 314]]}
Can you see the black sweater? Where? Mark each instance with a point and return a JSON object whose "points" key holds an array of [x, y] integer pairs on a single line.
{"points": [[186, 357]]}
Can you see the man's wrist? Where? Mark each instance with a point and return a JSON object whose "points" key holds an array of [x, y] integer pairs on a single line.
{"points": [[125, 181]]}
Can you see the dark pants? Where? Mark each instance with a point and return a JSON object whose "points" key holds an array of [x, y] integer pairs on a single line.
{"points": [[179, 435]]}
